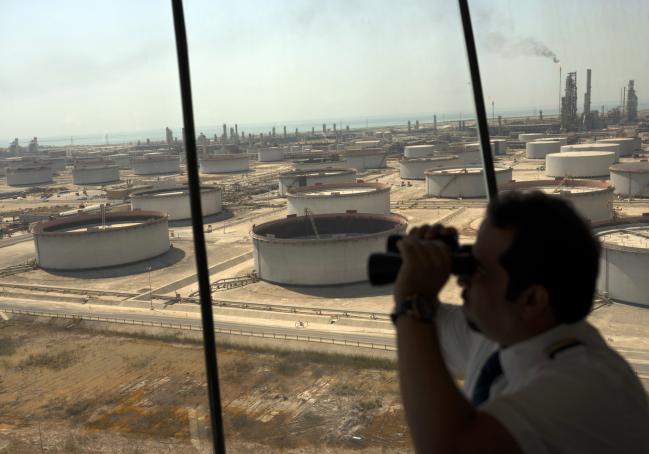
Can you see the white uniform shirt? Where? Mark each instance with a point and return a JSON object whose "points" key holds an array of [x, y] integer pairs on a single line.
{"points": [[586, 399]]}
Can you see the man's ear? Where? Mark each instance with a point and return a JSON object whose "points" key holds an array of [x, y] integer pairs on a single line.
{"points": [[534, 303]]}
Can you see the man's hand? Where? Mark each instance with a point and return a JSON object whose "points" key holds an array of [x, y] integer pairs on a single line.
{"points": [[426, 264]]}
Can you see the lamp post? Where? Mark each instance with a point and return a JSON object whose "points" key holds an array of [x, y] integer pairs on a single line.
{"points": [[150, 291]]}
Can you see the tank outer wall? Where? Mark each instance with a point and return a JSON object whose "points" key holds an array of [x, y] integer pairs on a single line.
{"points": [[177, 206], [376, 201], [595, 205], [632, 184], [541, 148], [455, 185], [95, 175], [236, 164], [579, 164], [623, 275], [628, 145], [273, 154], [418, 151], [318, 263], [27, 177], [364, 161], [414, 169], [120, 246], [287, 182], [156, 166]]}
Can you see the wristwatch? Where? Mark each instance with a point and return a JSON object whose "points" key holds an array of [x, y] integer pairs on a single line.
{"points": [[419, 307]]}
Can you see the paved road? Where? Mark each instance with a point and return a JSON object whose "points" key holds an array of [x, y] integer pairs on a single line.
{"points": [[639, 358], [169, 317], [15, 239]]}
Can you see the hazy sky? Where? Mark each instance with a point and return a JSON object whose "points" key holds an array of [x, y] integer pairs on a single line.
{"points": [[76, 67]]}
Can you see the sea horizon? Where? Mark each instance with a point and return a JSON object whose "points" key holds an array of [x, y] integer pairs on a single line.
{"points": [[158, 134]]}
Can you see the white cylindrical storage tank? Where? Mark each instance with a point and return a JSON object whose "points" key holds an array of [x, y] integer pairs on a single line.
{"points": [[88, 241], [624, 260], [467, 154], [418, 151], [476, 148], [339, 198], [579, 163], [499, 146], [156, 164], [57, 163], [462, 181], [323, 249], [539, 149], [365, 159], [95, 173], [413, 169], [592, 199], [301, 178], [615, 148], [631, 178], [225, 163], [28, 175], [271, 154], [530, 136], [15, 162], [318, 163], [365, 144], [174, 202], [628, 145], [122, 160]]}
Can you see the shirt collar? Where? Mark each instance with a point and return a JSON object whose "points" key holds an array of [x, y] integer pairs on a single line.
{"points": [[519, 358]]}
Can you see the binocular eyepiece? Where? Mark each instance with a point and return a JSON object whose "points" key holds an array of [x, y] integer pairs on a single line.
{"points": [[382, 268]]}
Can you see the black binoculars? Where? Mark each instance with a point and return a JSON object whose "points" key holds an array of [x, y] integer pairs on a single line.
{"points": [[382, 268]]}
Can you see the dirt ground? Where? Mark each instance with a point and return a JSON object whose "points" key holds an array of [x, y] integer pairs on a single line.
{"points": [[67, 389]]}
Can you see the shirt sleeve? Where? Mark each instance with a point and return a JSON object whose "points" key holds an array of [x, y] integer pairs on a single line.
{"points": [[455, 337], [575, 409]]}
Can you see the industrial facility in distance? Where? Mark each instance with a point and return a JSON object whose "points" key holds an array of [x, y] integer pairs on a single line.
{"points": [[102, 234]]}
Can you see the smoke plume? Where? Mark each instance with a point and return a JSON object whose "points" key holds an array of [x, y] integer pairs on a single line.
{"points": [[517, 46]]}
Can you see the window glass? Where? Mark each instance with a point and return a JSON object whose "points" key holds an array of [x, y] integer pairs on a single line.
{"points": [[289, 95], [96, 353], [568, 99]]}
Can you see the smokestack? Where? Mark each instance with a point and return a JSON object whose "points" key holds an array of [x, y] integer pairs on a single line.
{"points": [[587, 95], [435, 122]]}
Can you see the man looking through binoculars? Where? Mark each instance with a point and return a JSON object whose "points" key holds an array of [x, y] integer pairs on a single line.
{"points": [[537, 377]]}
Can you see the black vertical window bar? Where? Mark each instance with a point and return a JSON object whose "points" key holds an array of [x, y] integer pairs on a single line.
{"points": [[209, 341], [483, 126]]}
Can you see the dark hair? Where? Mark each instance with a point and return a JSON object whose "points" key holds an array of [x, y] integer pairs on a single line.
{"points": [[552, 247]]}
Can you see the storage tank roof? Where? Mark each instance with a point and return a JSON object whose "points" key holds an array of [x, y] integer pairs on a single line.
{"points": [[462, 170], [583, 154], [169, 192], [437, 158], [80, 224], [224, 157], [338, 190], [633, 237], [629, 234], [571, 186], [631, 167], [330, 227], [316, 172]]}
